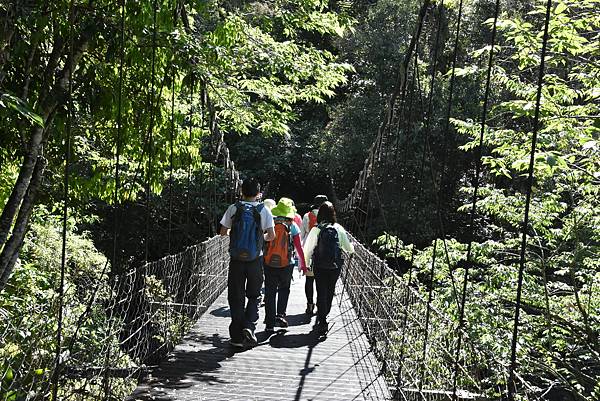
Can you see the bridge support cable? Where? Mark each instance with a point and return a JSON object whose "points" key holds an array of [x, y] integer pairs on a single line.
{"points": [[529, 189], [349, 203], [437, 187], [171, 140], [58, 359], [474, 198], [189, 157], [379, 147], [151, 129], [428, 121], [429, 111], [117, 178]]}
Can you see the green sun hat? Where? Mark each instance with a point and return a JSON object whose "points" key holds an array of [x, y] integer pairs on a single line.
{"points": [[285, 208]]}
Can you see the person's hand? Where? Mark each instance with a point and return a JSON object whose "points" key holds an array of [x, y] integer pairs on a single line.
{"points": [[302, 268]]}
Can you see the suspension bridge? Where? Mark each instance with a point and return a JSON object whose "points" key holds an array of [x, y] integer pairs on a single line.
{"points": [[165, 322]]}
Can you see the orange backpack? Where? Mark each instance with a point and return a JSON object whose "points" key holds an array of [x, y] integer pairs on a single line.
{"points": [[312, 220], [278, 253]]}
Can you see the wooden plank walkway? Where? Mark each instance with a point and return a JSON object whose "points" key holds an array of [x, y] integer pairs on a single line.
{"points": [[287, 365]]}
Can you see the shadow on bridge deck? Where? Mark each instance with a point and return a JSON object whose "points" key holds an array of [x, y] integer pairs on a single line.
{"points": [[290, 365]]}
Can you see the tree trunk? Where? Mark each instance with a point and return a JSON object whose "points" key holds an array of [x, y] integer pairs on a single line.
{"points": [[10, 252], [21, 185], [22, 198]]}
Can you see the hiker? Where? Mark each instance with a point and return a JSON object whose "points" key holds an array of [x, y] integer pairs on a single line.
{"points": [[298, 221], [279, 264], [308, 222], [297, 218], [323, 247], [249, 224], [269, 203]]}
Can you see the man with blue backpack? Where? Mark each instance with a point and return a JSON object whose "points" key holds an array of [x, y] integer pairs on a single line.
{"points": [[249, 224]]}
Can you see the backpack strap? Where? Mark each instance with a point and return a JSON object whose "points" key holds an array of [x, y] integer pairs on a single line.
{"points": [[321, 226], [288, 228], [256, 211], [239, 208]]}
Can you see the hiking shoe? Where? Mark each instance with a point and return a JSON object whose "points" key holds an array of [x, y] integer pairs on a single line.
{"points": [[322, 327], [236, 344], [281, 321], [310, 308], [249, 336]]}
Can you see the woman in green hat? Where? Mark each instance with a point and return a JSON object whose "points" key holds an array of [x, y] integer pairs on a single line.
{"points": [[279, 263]]}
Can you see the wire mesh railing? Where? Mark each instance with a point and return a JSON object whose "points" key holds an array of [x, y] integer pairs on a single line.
{"points": [[416, 358], [129, 322]]}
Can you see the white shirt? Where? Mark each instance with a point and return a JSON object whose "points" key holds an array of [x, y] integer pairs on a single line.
{"points": [[311, 241]]}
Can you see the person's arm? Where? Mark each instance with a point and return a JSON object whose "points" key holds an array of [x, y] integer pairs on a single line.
{"points": [[298, 246], [226, 221], [345, 243], [268, 224], [310, 243], [270, 234]]}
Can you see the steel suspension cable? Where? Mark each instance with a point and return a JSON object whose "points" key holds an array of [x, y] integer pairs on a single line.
{"points": [[117, 156], [401, 75], [427, 132], [437, 188], [450, 103], [189, 166], [477, 178], [119, 138], [378, 197], [65, 210], [151, 127], [413, 250], [171, 139], [529, 189]]}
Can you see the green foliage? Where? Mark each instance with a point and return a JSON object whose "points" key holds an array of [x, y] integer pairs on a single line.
{"points": [[10, 101], [390, 246], [252, 63], [8, 174], [29, 305], [559, 326]]}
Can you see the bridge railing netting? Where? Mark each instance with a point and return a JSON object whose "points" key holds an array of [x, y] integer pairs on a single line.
{"points": [[415, 344], [137, 317]]}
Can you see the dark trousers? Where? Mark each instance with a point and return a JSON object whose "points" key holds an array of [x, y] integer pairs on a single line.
{"points": [[309, 289], [325, 280], [243, 281], [277, 285]]}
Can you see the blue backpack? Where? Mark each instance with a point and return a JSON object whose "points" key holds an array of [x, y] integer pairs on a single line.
{"points": [[328, 254], [246, 236]]}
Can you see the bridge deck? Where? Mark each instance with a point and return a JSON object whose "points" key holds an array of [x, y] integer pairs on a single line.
{"points": [[291, 365]]}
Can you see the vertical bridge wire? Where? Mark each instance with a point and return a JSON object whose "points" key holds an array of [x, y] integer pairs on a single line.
{"points": [[525, 226]]}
